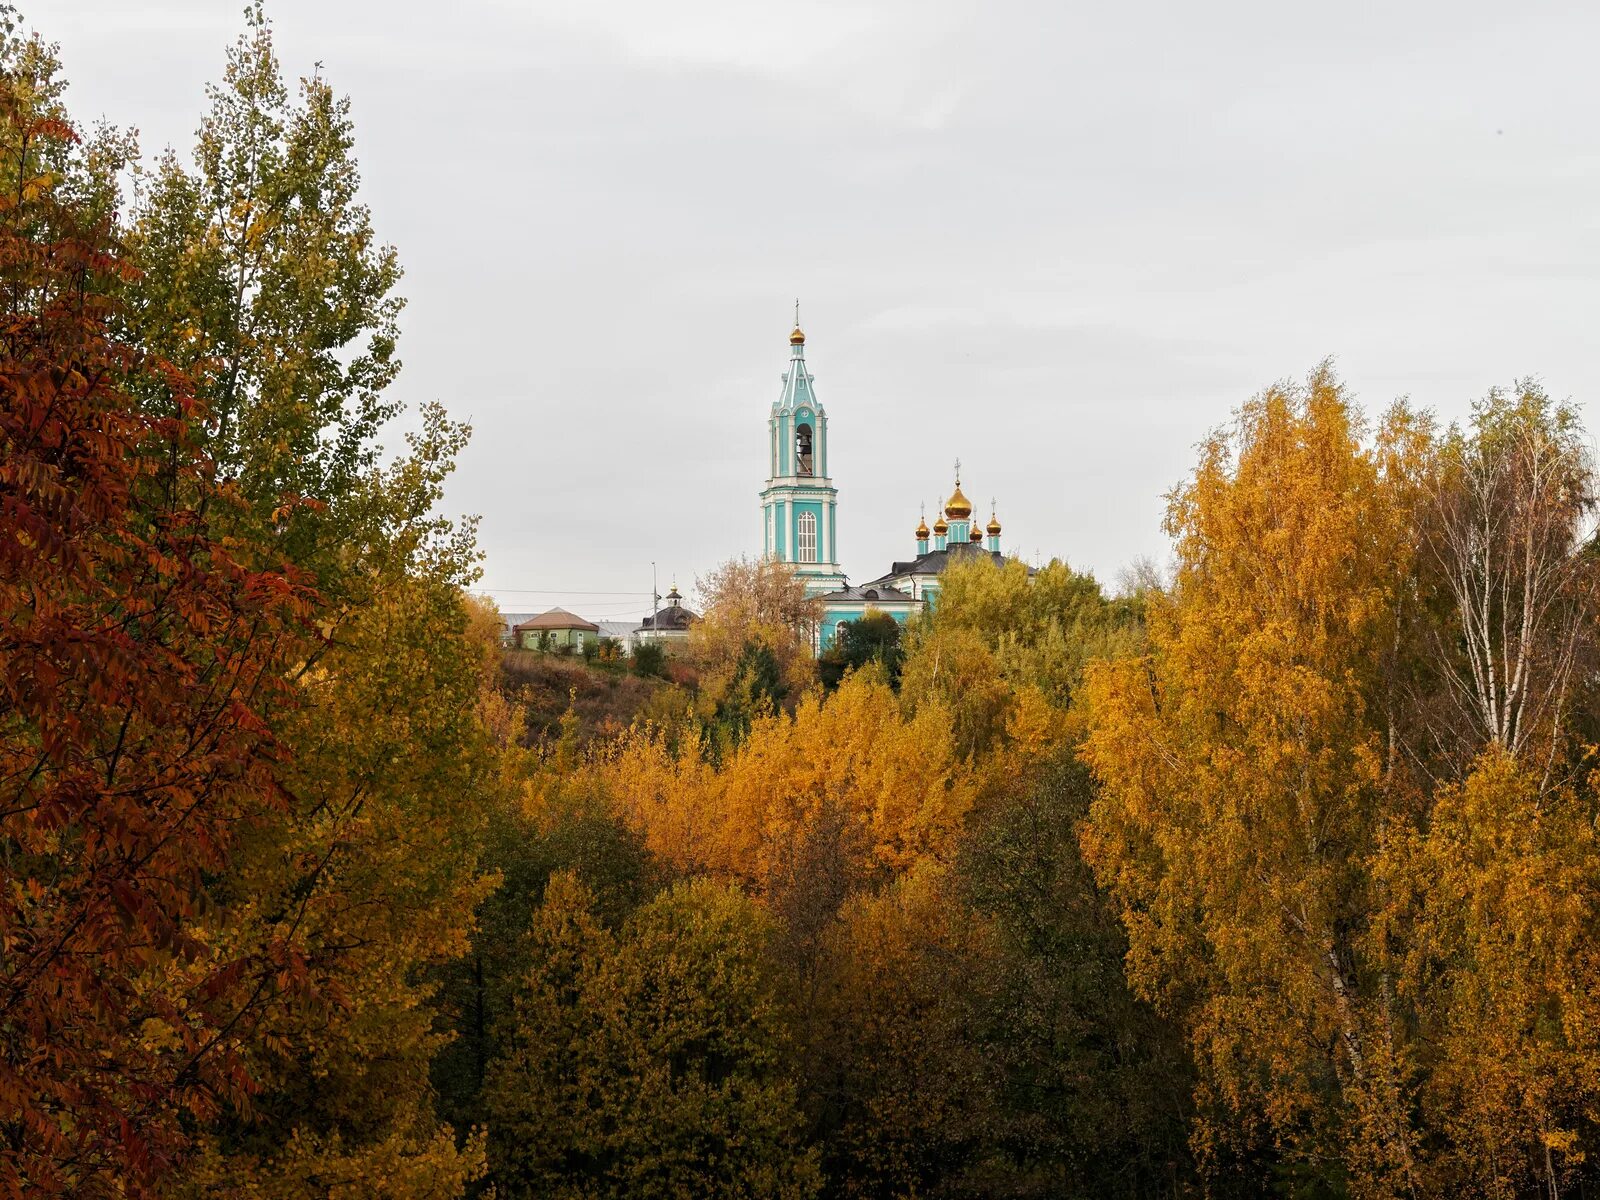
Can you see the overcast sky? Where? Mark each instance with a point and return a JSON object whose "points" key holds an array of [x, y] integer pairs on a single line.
{"points": [[1061, 241]]}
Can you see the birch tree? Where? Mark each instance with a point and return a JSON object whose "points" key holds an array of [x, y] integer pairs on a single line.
{"points": [[1512, 510]]}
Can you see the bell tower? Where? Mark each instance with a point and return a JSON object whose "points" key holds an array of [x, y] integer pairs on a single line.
{"points": [[797, 505]]}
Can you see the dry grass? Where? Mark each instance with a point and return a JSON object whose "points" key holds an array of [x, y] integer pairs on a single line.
{"points": [[604, 698]]}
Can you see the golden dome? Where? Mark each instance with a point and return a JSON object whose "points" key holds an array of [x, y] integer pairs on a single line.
{"points": [[976, 535], [797, 338], [940, 527], [922, 529], [958, 507], [993, 528]]}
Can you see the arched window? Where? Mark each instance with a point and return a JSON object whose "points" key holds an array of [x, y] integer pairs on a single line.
{"points": [[806, 537], [802, 449]]}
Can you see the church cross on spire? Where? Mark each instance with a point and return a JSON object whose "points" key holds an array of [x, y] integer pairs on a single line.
{"points": [[958, 472]]}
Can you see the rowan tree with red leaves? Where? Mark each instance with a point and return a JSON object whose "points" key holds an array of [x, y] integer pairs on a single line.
{"points": [[142, 658]]}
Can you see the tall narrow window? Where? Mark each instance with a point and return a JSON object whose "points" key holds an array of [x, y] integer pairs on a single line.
{"points": [[802, 449], [806, 537]]}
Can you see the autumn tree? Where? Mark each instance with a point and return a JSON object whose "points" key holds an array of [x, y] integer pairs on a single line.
{"points": [[883, 790], [1042, 625], [968, 1031], [143, 662], [542, 821], [265, 280], [1244, 787], [903, 1094], [650, 1062], [954, 669], [372, 872], [1094, 1087], [759, 601], [1496, 904], [1003, 644]]}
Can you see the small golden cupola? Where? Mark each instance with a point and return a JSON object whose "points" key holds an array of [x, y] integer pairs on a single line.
{"points": [[797, 338], [993, 527], [976, 535], [922, 529], [940, 528]]}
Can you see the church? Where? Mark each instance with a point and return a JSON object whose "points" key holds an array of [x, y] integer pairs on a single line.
{"points": [[798, 508]]}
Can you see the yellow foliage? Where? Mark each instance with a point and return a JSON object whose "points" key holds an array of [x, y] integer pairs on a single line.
{"points": [[896, 784], [954, 669], [1498, 903], [1042, 629], [1242, 772], [368, 878], [323, 1167]]}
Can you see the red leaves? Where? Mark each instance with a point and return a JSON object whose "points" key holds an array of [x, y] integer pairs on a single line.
{"points": [[140, 663], [49, 127]]}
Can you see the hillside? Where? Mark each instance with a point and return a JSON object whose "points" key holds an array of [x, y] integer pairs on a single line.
{"points": [[605, 698]]}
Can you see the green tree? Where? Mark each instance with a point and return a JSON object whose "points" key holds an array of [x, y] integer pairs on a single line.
{"points": [[874, 637], [265, 281], [755, 689], [902, 1096], [569, 831], [1094, 1087], [649, 1062], [650, 660]]}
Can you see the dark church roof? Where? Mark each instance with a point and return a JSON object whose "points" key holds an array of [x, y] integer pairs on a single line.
{"points": [[935, 561], [868, 594], [674, 617]]}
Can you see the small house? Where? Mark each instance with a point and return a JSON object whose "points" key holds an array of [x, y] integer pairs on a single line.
{"points": [[556, 630]]}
